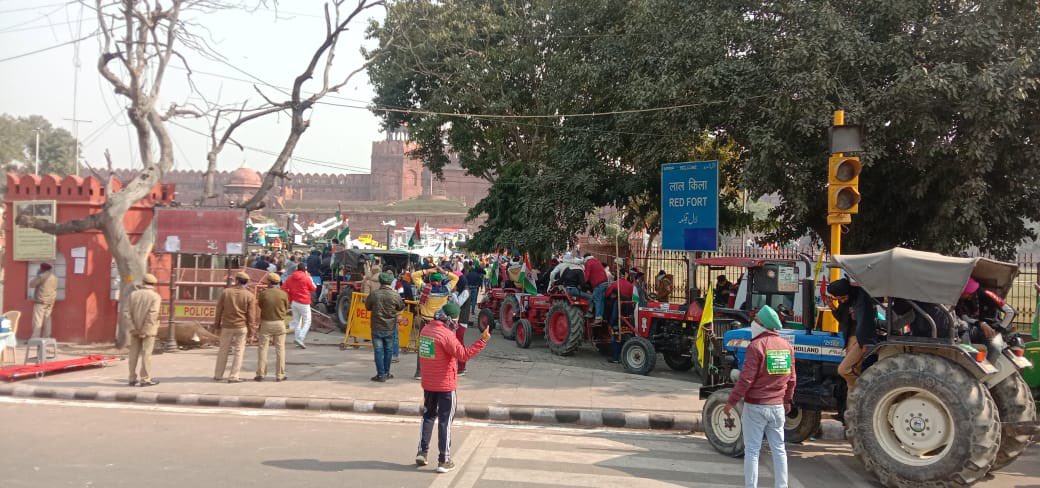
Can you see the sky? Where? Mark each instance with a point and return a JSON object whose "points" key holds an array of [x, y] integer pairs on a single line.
{"points": [[271, 47]]}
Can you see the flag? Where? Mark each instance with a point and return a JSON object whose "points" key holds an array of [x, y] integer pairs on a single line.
{"points": [[525, 282], [416, 237], [344, 229], [702, 335]]}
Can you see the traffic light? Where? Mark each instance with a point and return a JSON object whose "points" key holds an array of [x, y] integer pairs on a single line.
{"points": [[843, 184]]}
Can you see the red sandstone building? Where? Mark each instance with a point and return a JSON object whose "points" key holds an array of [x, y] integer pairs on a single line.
{"points": [[85, 310]]}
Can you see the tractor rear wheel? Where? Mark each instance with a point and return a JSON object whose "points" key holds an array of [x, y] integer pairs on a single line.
{"points": [[1014, 404], [523, 333], [919, 418], [638, 356], [800, 424], [723, 430], [342, 315], [508, 313], [678, 362], [486, 319], [564, 326]]}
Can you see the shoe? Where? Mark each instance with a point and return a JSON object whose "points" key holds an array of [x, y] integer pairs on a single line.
{"points": [[462, 373], [234, 380], [132, 383], [149, 383], [445, 467], [283, 378], [379, 378], [299, 344], [389, 376], [613, 361], [258, 378], [218, 379], [395, 360], [420, 458], [417, 377]]}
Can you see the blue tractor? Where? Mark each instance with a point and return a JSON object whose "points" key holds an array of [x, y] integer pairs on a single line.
{"points": [[924, 409]]}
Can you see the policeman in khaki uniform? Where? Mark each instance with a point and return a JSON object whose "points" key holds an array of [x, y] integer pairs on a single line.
{"points": [[45, 286], [274, 311], [141, 317], [236, 312]]}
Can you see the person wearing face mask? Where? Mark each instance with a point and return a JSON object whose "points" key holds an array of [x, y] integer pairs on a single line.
{"points": [[766, 386]]}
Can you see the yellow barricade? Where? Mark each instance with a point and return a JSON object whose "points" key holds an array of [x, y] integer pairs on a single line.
{"points": [[359, 323]]}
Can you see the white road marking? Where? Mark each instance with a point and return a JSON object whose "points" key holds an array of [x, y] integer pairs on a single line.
{"points": [[470, 461], [621, 460], [583, 480]]}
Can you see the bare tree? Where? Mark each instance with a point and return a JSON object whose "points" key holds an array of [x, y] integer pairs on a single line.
{"points": [[140, 38], [226, 120]]}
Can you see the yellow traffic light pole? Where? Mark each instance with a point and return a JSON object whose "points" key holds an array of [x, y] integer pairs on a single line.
{"points": [[839, 119]]}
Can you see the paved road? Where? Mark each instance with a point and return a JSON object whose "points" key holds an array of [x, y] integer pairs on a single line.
{"points": [[70, 444]]}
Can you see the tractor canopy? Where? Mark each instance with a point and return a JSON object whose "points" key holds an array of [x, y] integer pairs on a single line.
{"points": [[351, 259], [924, 276]]}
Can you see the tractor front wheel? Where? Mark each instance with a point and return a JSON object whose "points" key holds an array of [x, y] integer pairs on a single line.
{"points": [[564, 326], [523, 333], [916, 419], [678, 362], [638, 356], [486, 319], [723, 430], [800, 424], [343, 310], [508, 313]]}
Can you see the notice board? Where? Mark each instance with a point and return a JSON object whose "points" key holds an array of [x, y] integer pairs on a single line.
{"points": [[200, 230]]}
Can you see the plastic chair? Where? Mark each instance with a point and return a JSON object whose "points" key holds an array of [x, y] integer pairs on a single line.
{"points": [[13, 316]]}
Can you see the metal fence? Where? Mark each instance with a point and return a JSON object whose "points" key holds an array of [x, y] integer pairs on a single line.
{"points": [[1023, 296]]}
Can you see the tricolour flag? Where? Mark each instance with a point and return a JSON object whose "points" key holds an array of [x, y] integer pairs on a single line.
{"points": [[344, 229], [416, 237], [525, 280], [702, 330]]}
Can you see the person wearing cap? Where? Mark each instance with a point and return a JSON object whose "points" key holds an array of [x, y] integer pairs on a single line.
{"points": [[385, 306], [274, 311], [236, 313], [299, 286], [45, 290], [858, 321], [766, 386], [140, 316], [439, 353], [435, 287]]}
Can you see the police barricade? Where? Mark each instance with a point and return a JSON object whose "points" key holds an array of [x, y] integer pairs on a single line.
{"points": [[359, 324]]}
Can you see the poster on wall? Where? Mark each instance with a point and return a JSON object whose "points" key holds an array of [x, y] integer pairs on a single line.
{"points": [[30, 244]]}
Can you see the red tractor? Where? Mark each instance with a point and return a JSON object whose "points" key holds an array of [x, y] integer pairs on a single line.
{"points": [[495, 301], [564, 320]]}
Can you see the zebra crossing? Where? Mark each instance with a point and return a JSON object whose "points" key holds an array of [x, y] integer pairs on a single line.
{"points": [[529, 459]]}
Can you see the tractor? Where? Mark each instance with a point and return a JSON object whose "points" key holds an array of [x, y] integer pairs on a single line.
{"points": [[783, 284], [499, 301], [929, 409], [348, 272], [564, 319]]}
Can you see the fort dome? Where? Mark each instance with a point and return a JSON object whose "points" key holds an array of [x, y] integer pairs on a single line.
{"points": [[244, 179]]}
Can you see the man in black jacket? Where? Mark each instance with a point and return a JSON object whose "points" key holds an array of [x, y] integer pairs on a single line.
{"points": [[858, 320]]}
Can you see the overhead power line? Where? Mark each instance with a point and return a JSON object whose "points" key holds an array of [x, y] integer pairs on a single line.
{"points": [[38, 51]]}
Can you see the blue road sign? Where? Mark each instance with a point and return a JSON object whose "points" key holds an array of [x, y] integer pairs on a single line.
{"points": [[690, 206]]}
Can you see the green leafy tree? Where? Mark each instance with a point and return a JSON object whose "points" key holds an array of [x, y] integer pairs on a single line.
{"points": [[947, 92], [18, 145]]}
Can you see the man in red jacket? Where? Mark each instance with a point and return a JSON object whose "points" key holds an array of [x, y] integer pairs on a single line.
{"points": [[766, 385], [439, 353], [299, 286]]}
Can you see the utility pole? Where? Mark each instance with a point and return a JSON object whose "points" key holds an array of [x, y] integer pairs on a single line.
{"points": [[36, 167], [75, 133]]}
